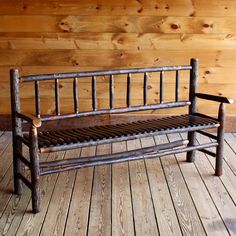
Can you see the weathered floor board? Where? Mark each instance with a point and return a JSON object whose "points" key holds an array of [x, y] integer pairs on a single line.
{"points": [[160, 196], [166, 215], [189, 220]]}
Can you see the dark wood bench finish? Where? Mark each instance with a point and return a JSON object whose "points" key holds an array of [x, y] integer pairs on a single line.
{"points": [[40, 141]]}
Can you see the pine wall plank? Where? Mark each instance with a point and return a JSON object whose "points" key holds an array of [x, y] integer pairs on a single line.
{"points": [[61, 36]]}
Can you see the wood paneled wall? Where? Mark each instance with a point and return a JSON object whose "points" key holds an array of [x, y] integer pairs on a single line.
{"points": [[57, 36]]}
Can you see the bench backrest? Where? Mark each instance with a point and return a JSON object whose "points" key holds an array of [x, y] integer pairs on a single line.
{"points": [[75, 76]]}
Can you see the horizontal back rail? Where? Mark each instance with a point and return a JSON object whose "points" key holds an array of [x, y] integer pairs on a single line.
{"points": [[118, 110], [30, 78]]}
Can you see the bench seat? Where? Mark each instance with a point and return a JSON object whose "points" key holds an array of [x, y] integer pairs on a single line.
{"points": [[56, 140]]}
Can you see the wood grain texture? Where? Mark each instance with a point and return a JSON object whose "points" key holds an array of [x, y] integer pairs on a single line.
{"points": [[189, 219], [118, 24], [122, 214], [94, 7], [228, 166], [167, 219], [212, 222], [218, 192], [142, 200], [31, 224], [214, 204], [5, 152], [100, 210], [113, 41], [11, 216], [77, 220], [60, 200], [58, 36], [115, 58]]}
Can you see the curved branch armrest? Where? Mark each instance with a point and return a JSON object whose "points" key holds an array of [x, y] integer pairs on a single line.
{"points": [[33, 120], [214, 98]]}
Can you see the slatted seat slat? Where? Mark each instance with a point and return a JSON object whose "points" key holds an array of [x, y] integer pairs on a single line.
{"points": [[57, 138]]}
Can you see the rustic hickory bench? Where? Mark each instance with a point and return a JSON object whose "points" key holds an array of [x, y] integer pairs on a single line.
{"points": [[41, 141]]}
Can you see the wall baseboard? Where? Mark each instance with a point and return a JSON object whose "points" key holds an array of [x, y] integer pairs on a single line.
{"points": [[5, 121]]}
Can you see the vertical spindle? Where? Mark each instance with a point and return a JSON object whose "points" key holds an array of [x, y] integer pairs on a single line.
{"points": [[161, 86], [37, 98], [94, 93], [57, 101], [177, 86], [128, 90], [75, 94], [111, 92], [145, 87]]}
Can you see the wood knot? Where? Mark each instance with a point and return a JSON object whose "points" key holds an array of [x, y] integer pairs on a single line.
{"points": [[207, 72], [68, 24], [74, 62], [24, 7], [174, 26], [140, 10], [207, 25]]}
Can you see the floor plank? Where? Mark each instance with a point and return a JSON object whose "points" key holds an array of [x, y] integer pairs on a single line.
{"points": [[77, 220], [229, 151], [15, 210], [54, 221], [100, 211], [160, 196], [144, 215], [5, 153], [228, 178], [189, 220], [219, 194], [166, 215], [6, 190], [5, 139], [31, 223], [122, 213], [207, 211], [230, 138]]}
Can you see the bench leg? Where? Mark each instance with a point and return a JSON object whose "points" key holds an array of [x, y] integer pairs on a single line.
{"points": [[220, 140], [35, 171], [192, 142], [17, 166]]}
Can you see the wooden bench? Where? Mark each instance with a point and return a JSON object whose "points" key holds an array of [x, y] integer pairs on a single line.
{"points": [[39, 141]]}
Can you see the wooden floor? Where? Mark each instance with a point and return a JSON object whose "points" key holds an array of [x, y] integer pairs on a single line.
{"points": [[160, 196]]}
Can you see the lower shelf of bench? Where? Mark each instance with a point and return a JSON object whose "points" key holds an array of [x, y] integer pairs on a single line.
{"points": [[144, 153], [58, 140]]}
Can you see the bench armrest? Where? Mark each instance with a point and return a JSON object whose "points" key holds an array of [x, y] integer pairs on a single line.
{"points": [[33, 120], [214, 98]]}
